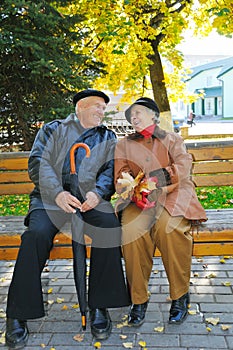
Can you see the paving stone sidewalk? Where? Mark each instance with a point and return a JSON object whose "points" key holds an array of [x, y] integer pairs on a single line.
{"points": [[211, 302]]}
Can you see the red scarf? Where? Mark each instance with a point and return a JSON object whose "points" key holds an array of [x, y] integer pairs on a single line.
{"points": [[149, 131]]}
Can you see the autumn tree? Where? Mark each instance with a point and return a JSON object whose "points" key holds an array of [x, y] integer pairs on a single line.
{"points": [[132, 38], [41, 67]]}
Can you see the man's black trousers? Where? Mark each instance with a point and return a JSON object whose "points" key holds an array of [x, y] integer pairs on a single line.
{"points": [[106, 287]]}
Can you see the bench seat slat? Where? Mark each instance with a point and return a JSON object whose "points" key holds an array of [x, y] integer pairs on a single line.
{"points": [[203, 249], [65, 252]]}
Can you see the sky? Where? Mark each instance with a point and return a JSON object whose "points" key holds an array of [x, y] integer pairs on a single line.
{"points": [[214, 44]]}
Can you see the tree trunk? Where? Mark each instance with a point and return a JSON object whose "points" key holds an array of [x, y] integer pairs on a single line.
{"points": [[159, 91], [25, 134]]}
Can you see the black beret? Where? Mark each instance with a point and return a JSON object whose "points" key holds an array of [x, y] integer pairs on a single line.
{"points": [[89, 92], [143, 101]]}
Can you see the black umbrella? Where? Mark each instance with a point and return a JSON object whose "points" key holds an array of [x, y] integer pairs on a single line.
{"points": [[78, 243]]}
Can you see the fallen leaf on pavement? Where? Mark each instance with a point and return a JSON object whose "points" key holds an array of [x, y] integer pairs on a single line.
{"points": [[212, 320], [123, 336], [211, 275], [192, 312], [226, 284], [128, 345], [2, 338], [79, 337], [225, 327], [159, 329], [142, 343], [122, 324], [2, 314], [60, 300]]}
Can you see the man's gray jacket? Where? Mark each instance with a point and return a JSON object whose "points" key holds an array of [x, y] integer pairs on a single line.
{"points": [[49, 162]]}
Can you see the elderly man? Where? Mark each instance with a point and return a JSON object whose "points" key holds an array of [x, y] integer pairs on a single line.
{"points": [[159, 211], [52, 204]]}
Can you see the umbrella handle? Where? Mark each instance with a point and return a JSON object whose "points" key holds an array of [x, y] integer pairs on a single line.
{"points": [[72, 150]]}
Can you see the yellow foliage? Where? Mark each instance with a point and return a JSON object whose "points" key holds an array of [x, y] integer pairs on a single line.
{"points": [[125, 35]]}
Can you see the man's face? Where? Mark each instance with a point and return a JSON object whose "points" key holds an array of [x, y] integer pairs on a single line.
{"points": [[90, 111], [141, 117]]}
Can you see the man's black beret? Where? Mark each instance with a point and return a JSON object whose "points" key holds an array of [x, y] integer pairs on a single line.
{"points": [[143, 101], [90, 92]]}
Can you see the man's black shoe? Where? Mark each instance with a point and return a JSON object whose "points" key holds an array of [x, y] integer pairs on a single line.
{"points": [[101, 324], [137, 314], [16, 333], [179, 309]]}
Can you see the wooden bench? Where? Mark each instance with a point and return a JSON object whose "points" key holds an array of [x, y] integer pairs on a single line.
{"points": [[212, 166]]}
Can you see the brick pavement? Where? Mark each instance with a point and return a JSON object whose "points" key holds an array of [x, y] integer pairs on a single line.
{"points": [[211, 299]]}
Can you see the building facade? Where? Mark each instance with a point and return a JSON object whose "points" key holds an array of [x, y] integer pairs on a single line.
{"points": [[214, 82]]}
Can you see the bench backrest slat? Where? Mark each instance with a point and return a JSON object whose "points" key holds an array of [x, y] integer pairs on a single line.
{"points": [[213, 180], [13, 164], [211, 153], [210, 167], [19, 188], [14, 177]]}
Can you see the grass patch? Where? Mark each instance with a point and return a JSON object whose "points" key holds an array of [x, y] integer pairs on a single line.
{"points": [[14, 205], [210, 198], [215, 197]]}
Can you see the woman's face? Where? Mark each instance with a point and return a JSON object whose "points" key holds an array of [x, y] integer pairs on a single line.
{"points": [[141, 117]]}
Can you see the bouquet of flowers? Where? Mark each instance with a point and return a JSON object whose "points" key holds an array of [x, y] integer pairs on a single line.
{"points": [[137, 189]]}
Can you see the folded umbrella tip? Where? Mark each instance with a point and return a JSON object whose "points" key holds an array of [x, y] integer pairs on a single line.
{"points": [[84, 322]]}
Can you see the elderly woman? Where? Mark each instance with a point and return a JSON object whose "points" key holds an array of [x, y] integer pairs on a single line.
{"points": [[158, 216]]}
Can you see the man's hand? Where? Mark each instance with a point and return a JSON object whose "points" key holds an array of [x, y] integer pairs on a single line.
{"points": [[67, 202], [92, 200]]}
